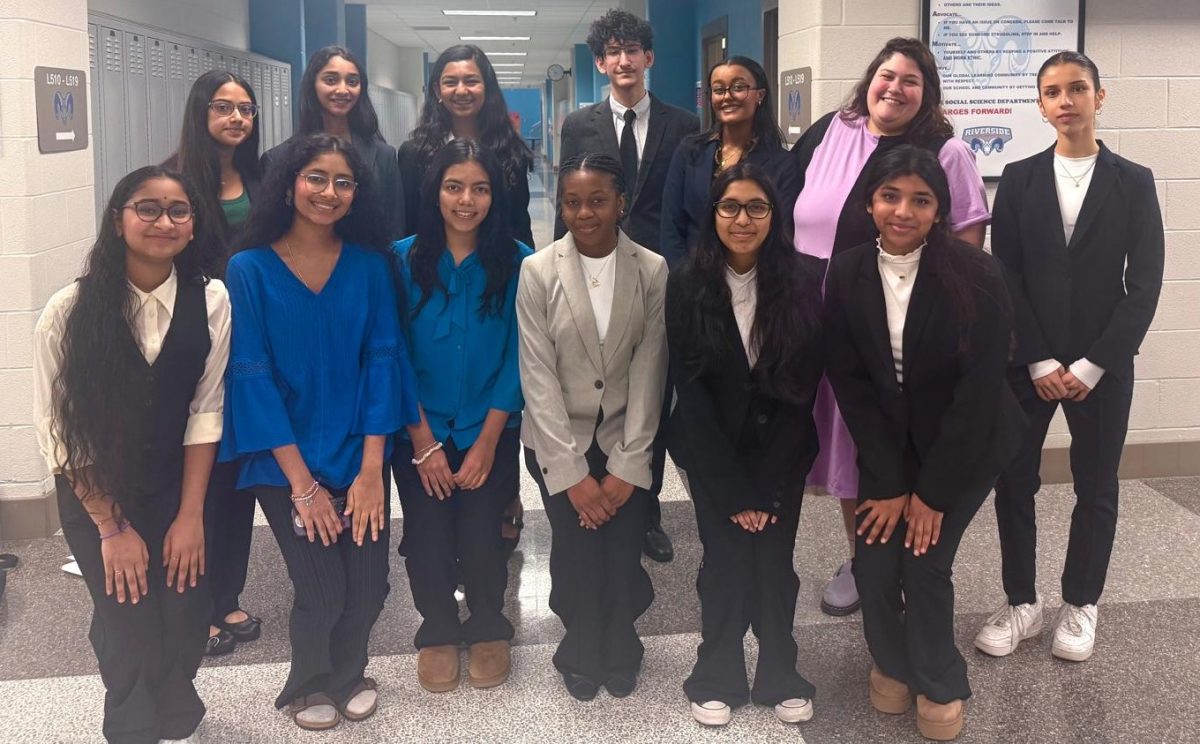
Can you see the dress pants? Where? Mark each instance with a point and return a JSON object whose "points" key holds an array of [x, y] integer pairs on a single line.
{"points": [[598, 586], [658, 463], [339, 592], [228, 525], [746, 580], [1098, 425], [148, 652], [908, 605], [458, 537]]}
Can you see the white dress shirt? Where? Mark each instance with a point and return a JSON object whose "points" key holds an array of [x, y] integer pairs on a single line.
{"points": [[898, 274], [641, 124], [151, 321], [603, 270], [743, 293], [1070, 202]]}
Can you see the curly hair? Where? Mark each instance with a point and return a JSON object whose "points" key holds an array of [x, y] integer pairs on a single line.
{"points": [[271, 214], [198, 157], [786, 320], [930, 120], [622, 26], [495, 129], [363, 120], [495, 247], [98, 431]]}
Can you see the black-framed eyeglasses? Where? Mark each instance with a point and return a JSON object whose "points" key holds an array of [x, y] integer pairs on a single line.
{"points": [[739, 90], [148, 210], [221, 107], [318, 182], [730, 209]]}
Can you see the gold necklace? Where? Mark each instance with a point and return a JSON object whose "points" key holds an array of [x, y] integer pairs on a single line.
{"points": [[1066, 172], [596, 277], [295, 265]]}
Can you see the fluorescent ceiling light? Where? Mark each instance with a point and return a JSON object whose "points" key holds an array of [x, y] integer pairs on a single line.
{"points": [[508, 64], [510, 13], [493, 38], [506, 54]]}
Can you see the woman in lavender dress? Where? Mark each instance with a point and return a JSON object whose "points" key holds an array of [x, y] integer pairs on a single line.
{"points": [[897, 101]]}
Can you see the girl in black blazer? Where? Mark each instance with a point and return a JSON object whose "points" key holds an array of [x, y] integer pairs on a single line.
{"points": [[743, 332], [918, 328], [743, 130], [1080, 235]]}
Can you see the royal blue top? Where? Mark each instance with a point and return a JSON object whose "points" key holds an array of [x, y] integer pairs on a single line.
{"points": [[318, 370], [466, 362]]}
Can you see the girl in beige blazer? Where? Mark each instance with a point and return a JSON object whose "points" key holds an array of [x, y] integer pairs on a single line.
{"points": [[593, 362]]}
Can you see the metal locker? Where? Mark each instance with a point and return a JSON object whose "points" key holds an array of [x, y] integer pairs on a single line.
{"points": [[285, 117], [192, 71], [246, 66], [277, 113], [95, 100], [177, 86], [137, 117], [162, 128], [263, 92], [207, 62], [110, 83]]}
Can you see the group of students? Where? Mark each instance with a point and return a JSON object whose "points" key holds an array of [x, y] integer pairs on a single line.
{"points": [[822, 316]]}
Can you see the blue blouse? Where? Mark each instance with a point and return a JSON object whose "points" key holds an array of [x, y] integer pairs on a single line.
{"points": [[466, 363], [318, 370]]}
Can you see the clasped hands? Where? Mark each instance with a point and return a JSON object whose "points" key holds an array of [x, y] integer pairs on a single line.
{"points": [[924, 523], [596, 502], [1061, 384]]}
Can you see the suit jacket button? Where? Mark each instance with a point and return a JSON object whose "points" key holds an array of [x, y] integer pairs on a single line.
{"points": [[599, 384], [545, 471], [762, 418], [775, 504]]}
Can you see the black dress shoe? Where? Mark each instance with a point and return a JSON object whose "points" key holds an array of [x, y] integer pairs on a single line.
{"points": [[247, 630], [222, 643], [8, 561], [580, 687], [657, 546], [621, 685]]}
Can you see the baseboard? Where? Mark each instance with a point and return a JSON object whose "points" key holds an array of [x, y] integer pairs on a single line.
{"points": [[22, 519], [1154, 460]]}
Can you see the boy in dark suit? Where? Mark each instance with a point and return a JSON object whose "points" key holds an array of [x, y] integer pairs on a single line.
{"points": [[641, 132]]}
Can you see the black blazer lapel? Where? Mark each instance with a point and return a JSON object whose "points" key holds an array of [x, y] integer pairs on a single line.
{"points": [[870, 294], [602, 124], [1103, 178], [654, 138], [1042, 200], [920, 304]]}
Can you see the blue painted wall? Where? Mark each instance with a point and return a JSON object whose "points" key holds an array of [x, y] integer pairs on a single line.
{"points": [[356, 30], [528, 103], [745, 27], [584, 70], [676, 41]]}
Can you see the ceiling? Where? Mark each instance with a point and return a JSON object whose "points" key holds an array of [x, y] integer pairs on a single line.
{"points": [[553, 32]]}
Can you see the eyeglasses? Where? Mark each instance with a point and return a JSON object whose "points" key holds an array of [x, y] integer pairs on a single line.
{"points": [[148, 210], [730, 209], [738, 90], [226, 108], [631, 51], [318, 182]]}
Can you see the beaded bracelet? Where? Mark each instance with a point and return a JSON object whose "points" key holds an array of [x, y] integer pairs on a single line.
{"points": [[426, 453], [427, 450], [121, 527], [306, 498]]}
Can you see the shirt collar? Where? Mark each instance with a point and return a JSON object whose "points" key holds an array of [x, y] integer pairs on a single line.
{"points": [[905, 259], [164, 293], [641, 108]]}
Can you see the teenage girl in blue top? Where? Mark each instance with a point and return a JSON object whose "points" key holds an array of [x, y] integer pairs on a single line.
{"points": [[318, 381], [458, 468]]}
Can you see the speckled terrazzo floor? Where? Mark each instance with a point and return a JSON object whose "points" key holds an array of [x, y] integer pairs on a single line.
{"points": [[1141, 686]]}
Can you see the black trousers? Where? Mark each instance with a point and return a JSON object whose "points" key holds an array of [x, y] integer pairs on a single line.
{"points": [[1098, 426], [908, 605], [339, 592], [598, 586], [148, 652], [658, 463], [458, 537], [746, 580], [229, 525]]}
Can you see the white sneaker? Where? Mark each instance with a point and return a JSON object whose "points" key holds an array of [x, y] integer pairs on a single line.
{"points": [[1008, 626], [794, 710], [1075, 636], [193, 739], [711, 713]]}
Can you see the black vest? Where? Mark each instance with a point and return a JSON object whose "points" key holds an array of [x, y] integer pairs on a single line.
{"points": [[167, 389]]}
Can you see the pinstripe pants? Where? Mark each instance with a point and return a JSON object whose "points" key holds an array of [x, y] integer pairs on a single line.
{"points": [[339, 593]]}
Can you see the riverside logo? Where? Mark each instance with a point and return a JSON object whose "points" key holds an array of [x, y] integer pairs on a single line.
{"points": [[987, 140]]}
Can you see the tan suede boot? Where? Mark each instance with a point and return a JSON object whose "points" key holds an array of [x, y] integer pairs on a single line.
{"points": [[490, 663], [939, 721], [888, 695], [437, 668]]}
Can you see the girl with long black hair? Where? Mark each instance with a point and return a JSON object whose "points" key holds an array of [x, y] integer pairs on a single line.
{"points": [[743, 130], [334, 99], [457, 469], [129, 366], [218, 151], [743, 329], [318, 381], [918, 330], [463, 101]]}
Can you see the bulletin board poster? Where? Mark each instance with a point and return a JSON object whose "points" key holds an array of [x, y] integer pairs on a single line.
{"points": [[988, 54]]}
